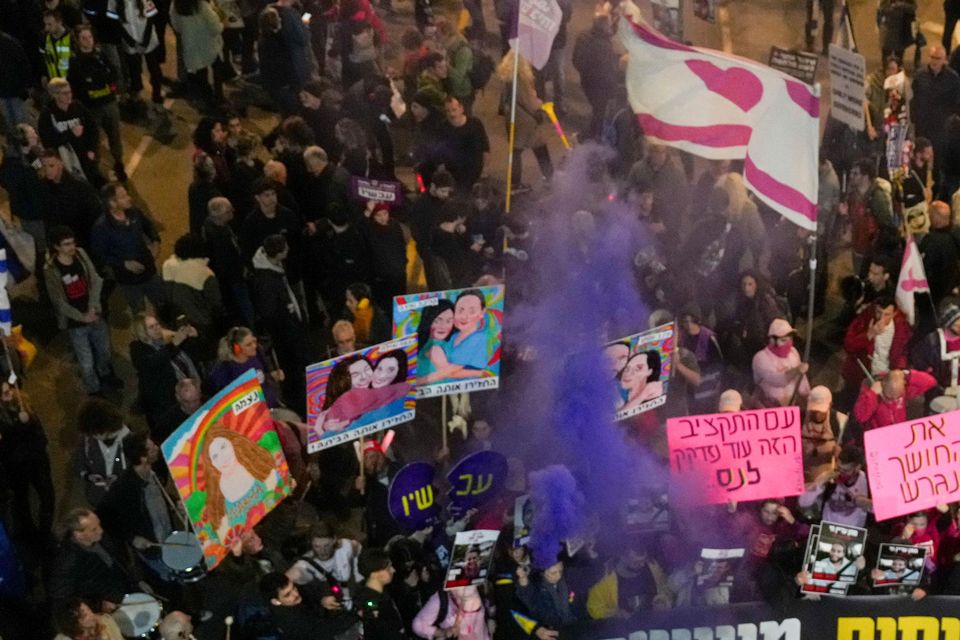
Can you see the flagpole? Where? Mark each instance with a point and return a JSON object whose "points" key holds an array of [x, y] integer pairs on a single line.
{"points": [[513, 118], [812, 243]]}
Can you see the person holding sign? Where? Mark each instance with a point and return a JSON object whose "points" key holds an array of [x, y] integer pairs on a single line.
{"points": [[885, 401]]}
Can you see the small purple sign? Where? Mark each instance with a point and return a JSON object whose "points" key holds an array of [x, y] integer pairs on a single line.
{"points": [[412, 498], [386, 191], [477, 478]]}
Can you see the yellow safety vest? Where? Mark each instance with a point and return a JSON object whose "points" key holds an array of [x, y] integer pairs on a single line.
{"points": [[56, 55]]}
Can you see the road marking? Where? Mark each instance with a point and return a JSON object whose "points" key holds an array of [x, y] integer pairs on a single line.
{"points": [[134, 162]]}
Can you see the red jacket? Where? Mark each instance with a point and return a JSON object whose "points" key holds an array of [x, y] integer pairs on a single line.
{"points": [[874, 411], [856, 344]]}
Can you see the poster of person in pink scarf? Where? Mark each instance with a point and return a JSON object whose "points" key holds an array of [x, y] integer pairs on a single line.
{"points": [[360, 393]]}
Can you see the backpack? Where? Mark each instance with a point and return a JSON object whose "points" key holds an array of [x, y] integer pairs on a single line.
{"points": [[483, 67]]}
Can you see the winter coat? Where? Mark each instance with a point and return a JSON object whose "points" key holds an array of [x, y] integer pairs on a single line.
{"points": [[857, 346], [873, 410], [200, 36], [193, 290], [113, 243]]}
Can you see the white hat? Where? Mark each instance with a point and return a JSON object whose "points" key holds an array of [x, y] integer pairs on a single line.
{"points": [[780, 328], [820, 399]]}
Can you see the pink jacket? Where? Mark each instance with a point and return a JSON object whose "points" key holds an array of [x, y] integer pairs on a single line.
{"points": [[473, 624], [770, 376], [873, 412]]}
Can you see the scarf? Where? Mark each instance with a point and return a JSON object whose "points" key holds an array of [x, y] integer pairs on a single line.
{"points": [[780, 350]]}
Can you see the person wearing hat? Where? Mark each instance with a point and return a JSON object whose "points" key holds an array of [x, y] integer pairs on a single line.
{"points": [[878, 339], [884, 402], [938, 352], [822, 430], [778, 373]]}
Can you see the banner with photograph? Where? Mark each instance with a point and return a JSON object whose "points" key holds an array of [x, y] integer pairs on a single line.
{"points": [[899, 565], [228, 465], [522, 520], [837, 557], [718, 568], [641, 366], [749, 455], [470, 558], [459, 336], [360, 393], [913, 465]]}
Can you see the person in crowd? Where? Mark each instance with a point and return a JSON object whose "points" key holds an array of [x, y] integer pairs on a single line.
{"points": [[596, 60], [702, 342], [433, 78], [425, 213], [378, 612], [25, 463], [15, 80], [193, 293], [454, 263], [662, 171], [69, 127], [745, 322], [370, 492], [20, 176], [465, 149], [276, 61], [876, 341], [548, 599], [869, 210], [529, 133], [202, 190], [126, 241], [933, 353], [370, 323], [319, 110], [843, 495], [330, 559], [187, 400], [239, 352], [463, 615], [96, 83], [75, 287], [884, 402], [176, 625], [75, 620], [344, 337], [210, 137], [936, 92], [778, 372], [57, 46], [160, 361], [459, 62], [298, 611], [940, 252], [225, 259], [822, 431], [89, 565], [99, 458], [388, 253], [140, 42], [200, 34], [268, 218], [66, 199], [643, 583]]}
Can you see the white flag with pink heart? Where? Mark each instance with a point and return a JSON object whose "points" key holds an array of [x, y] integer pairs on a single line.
{"points": [[913, 279], [724, 107]]}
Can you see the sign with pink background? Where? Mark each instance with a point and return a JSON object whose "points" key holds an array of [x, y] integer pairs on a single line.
{"points": [[748, 455], [913, 465]]}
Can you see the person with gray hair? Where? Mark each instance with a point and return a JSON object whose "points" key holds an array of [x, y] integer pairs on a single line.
{"points": [[70, 128], [176, 625], [223, 250]]}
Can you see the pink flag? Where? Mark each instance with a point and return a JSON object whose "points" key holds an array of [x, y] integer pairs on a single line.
{"points": [[538, 24], [720, 106], [912, 279]]}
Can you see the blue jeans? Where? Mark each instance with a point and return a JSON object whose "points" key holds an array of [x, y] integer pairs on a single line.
{"points": [[91, 345]]}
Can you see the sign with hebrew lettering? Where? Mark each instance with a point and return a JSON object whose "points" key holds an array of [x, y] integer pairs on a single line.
{"points": [[913, 465], [388, 191], [899, 565], [476, 479], [459, 336], [742, 456], [411, 499], [640, 365], [360, 393], [470, 558]]}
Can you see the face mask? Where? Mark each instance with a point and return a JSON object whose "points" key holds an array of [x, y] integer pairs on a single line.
{"points": [[780, 350]]}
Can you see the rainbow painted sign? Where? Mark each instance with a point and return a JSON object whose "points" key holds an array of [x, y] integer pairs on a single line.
{"points": [[228, 466], [459, 337], [360, 393]]}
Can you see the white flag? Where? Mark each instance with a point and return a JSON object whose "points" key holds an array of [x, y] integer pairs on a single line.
{"points": [[912, 279], [720, 106], [537, 26]]}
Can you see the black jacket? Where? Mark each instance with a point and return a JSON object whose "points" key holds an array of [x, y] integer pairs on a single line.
{"points": [[93, 78], [380, 617], [71, 202], [223, 249], [15, 76], [79, 572], [124, 510]]}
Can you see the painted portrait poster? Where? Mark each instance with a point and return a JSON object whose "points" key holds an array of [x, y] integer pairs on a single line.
{"points": [[459, 336], [360, 393], [640, 366], [470, 558], [228, 466]]}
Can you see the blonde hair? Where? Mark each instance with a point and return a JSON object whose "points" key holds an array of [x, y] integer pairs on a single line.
{"points": [[235, 335], [524, 71], [139, 326], [254, 459]]}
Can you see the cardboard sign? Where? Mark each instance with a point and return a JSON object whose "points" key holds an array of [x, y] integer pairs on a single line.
{"points": [[459, 333], [379, 190], [411, 498], [470, 558], [640, 365], [847, 91], [360, 393], [476, 479], [799, 64], [742, 456], [228, 465], [901, 564], [913, 465]]}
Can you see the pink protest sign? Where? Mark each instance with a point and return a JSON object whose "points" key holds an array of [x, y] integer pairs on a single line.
{"points": [[913, 465], [748, 455]]}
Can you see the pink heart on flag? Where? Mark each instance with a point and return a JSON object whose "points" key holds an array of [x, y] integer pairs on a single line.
{"points": [[739, 86]]}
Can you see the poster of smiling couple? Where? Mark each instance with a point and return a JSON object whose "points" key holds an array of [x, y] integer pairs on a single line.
{"points": [[640, 366], [459, 336], [228, 466], [361, 393]]}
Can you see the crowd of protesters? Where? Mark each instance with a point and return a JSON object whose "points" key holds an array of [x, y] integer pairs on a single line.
{"points": [[283, 266]]}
